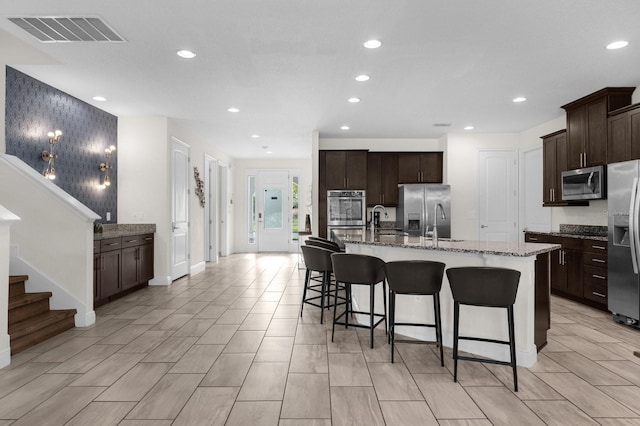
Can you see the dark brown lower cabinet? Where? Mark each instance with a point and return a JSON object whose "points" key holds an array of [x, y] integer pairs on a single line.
{"points": [[542, 312]]}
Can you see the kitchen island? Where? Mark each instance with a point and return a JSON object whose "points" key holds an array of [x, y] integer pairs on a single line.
{"points": [[532, 302]]}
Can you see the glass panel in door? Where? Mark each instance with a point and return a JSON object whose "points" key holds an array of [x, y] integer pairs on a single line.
{"points": [[273, 215]]}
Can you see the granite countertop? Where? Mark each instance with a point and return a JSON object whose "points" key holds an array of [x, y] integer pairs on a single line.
{"points": [[585, 232], [113, 230], [498, 248]]}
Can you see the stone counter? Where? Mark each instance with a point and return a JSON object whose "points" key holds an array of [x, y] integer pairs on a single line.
{"points": [[114, 230]]}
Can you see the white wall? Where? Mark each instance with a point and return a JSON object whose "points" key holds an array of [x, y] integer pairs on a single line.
{"points": [[240, 201]]}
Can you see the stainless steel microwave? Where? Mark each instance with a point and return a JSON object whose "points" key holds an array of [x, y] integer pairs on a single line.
{"points": [[584, 184]]}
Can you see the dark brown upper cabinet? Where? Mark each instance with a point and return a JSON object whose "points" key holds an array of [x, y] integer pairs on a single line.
{"points": [[345, 169], [382, 179], [420, 167], [554, 152], [624, 134], [587, 125]]}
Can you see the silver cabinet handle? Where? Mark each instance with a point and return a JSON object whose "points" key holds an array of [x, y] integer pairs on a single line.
{"points": [[599, 276], [595, 293], [585, 159], [598, 260], [533, 239], [599, 247]]}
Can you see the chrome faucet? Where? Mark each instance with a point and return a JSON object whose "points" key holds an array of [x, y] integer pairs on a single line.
{"points": [[373, 213], [435, 221]]}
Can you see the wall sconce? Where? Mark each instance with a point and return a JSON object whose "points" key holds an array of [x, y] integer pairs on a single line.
{"points": [[106, 167], [49, 156]]}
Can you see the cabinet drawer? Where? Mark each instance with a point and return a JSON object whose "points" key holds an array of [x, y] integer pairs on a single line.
{"points": [[145, 239], [131, 241], [596, 291], [595, 259], [595, 274], [593, 246], [110, 244], [572, 243]]}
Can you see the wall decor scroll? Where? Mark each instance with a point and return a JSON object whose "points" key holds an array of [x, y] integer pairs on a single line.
{"points": [[199, 186]]}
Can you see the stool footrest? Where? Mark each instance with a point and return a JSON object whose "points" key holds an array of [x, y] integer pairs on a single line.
{"points": [[488, 361], [479, 339], [414, 324]]}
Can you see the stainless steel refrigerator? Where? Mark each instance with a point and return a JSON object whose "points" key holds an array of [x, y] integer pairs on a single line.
{"points": [[421, 205], [624, 241]]}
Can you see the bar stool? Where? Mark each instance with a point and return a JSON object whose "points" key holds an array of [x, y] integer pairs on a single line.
{"points": [[419, 278], [317, 259], [487, 287], [329, 245], [359, 269]]}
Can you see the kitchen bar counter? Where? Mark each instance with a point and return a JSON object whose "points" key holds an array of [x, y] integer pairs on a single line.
{"points": [[113, 230], [532, 302]]}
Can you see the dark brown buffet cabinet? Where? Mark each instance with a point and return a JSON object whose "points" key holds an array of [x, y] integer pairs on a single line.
{"points": [[121, 264]]}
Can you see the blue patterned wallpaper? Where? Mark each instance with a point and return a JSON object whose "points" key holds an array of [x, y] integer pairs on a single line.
{"points": [[33, 109]]}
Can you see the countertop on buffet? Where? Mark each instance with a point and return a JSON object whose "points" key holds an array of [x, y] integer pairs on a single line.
{"points": [[403, 240], [114, 230], [585, 232]]}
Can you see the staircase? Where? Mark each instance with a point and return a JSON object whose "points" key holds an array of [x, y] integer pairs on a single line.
{"points": [[30, 319]]}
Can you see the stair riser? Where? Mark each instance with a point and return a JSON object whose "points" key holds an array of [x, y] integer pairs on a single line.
{"points": [[19, 345], [28, 311], [16, 289]]}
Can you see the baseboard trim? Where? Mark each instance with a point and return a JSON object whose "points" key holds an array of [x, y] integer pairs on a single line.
{"points": [[160, 281], [5, 352], [197, 268], [85, 320]]}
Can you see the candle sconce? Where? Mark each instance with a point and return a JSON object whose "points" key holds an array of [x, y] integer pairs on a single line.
{"points": [[106, 167], [50, 156]]}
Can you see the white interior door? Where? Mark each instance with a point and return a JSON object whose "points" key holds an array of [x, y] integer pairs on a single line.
{"points": [[179, 209], [498, 190], [274, 228], [210, 217]]}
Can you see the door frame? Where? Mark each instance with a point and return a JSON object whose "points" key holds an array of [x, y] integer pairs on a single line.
{"points": [[223, 172], [523, 195], [211, 206], [174, 274]]}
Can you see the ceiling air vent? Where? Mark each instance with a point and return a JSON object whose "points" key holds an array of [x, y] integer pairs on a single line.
{"points": [[441, 124], [65, 29]]}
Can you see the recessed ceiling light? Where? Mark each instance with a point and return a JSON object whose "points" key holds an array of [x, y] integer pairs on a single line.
{"points": [[617, 44], [468, 127], [187, 54], [255, 136], [344, 127], [362, 77], [519, 99], [372, 44], [99, 98], [354, 100], [233, 109], [269, 152]]}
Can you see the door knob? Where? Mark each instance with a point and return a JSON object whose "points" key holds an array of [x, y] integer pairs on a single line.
{"points": [[484, 226]]}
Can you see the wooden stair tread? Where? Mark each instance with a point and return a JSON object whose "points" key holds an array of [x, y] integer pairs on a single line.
{"points": [[35, 323], [27, 298], [13, 279]]}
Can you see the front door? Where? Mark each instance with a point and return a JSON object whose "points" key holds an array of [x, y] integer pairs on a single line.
{"points": [[274, 230], [498, 190], [179, 209]]}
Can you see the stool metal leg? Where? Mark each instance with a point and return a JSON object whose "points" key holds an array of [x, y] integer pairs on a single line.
{"points": [[384, 302], [392, 322], [512, 346], [438, 320], [372, 293], [307, 278], [335, 308], [325, 288], [456, 320]]}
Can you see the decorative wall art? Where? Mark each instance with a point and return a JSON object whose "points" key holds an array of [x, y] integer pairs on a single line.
{"points": [[199, 186]]}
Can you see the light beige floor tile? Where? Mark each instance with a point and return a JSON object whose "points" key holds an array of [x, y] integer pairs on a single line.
{"points": [[465, 422], [560, 413], [588, 370], [255, 413], [12, 379], [61, 407], [211, 312], [271, 296], [529, 385], [407, 413], [419, 358], [126, 334], [244, 341], [105, 328], [586, 397], [18, 360], [291, 299], [554, 346], [355, 406], [471, 373], [167, 397], [589, 350], [69, 349], [501, 406], [307, 397], [218, 334], [229, 370], [102, 413], [233, 316], [282, 327], [287, 311], [311, 334], [107, 372], [198, 359], [393, 382], [619, 422], [19, 402], [275, 349], [171, 350], [547, 365], [244, 303], [175, 302], [344, 341], [154, 316], [194, 327], [135, 312], [590, 334], [304, 422], [381, 351], [192, 307], [348, 370], [87, 359], [134, 385], [447, 400], [173, 322], [264, 382], [309, 359], [264, 308], [626, 369], [207, 406], [627, 395], [145, 343], [256, 322]]}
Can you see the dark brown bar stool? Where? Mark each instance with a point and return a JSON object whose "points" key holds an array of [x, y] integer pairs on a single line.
{"points": [[419, 278], [489, 287], [329, 245], [358, 269], [317, 259]]}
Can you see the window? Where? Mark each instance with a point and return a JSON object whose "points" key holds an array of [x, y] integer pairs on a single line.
{"points": [[295, 181]]}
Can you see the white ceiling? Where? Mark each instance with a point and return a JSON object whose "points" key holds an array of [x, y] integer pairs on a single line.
{"points": [[289, 65]]}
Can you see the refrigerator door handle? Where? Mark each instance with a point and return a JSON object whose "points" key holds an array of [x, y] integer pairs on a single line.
{"points": [[633, 225]]}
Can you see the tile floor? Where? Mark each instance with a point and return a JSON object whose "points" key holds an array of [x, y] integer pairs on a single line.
{"points": [[228, 347]]}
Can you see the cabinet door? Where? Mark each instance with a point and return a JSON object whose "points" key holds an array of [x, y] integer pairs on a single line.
{"points": [[558, 271], [389, 179], [619, 146], [408, 167], [431, 167], [374, 179], [634, 133], [110, 278], [145, 262], [130, 276], [96, 277], [336, 166], [576, 135], [574, 266], [356, 169], [596, 139]]}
